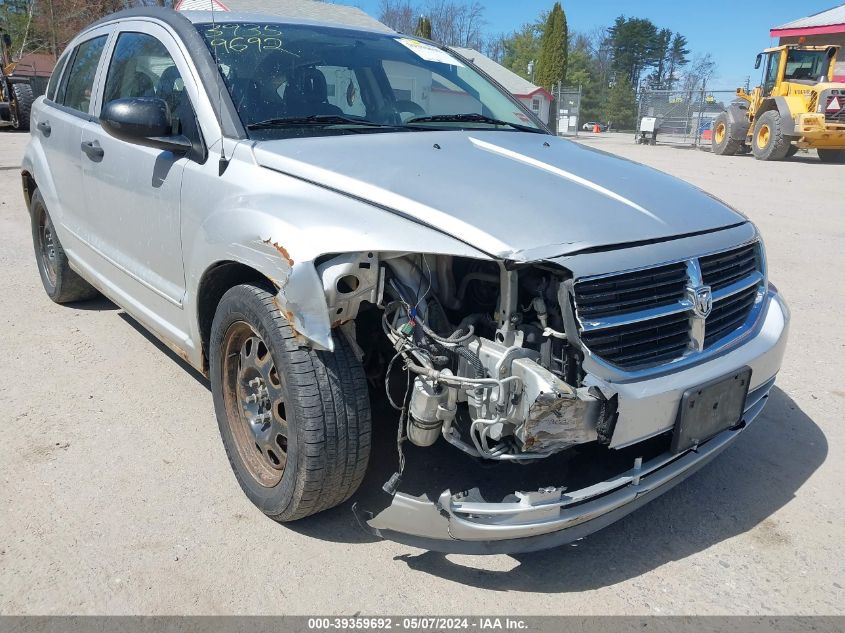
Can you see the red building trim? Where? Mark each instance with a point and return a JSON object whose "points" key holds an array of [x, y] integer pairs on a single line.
{"points": [[809, 30], [531, 94]]}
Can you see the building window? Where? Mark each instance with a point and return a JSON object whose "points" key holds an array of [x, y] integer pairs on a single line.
{"points": [[535, 105]]}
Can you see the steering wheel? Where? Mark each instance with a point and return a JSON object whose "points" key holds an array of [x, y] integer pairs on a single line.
{"points": [[403, 106]]}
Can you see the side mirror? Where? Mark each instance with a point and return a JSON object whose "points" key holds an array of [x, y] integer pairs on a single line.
{"points": [[759, 61], [143, 121]]}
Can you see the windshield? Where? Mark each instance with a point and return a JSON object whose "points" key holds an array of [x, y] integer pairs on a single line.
{"points": [[806, 65], [291, 80]]}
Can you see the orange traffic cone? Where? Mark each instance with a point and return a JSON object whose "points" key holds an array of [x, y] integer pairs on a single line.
{"points": [[596, 128]]}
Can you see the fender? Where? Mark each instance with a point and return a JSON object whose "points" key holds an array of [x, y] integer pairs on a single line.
{"points": [[284, 250], [738, 120], [781, 104]]}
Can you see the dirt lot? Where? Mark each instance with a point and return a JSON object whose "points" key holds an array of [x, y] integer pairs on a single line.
{"points": [[116, 497]]}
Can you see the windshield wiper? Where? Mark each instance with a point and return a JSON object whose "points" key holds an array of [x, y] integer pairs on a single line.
{"points": [[315, 119], [472, 118]]}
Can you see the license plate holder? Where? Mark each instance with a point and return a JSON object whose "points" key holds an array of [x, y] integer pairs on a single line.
{"points": [[710, 408]]}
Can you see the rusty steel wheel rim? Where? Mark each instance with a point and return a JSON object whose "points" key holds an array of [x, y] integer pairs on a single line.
{"points": [[720, 132], [255, 406], [47, 246]]}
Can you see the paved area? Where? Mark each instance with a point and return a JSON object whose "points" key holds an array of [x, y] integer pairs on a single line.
{"points": [[116, 497]]}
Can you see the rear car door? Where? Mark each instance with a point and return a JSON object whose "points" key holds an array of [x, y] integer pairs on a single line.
{"points": [[134, 191], [58, 124]]}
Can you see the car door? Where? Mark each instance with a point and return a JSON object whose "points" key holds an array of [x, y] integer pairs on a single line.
{"points": [[58, 127], [134, 191]]}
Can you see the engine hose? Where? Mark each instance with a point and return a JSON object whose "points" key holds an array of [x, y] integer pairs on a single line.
{"points": [[472, 360]]}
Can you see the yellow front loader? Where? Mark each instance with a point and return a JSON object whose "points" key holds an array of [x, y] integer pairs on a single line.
{"points": [[797, 105]]}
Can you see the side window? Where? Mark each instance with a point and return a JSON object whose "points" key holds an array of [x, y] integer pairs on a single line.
{"points": [[142, 67], [79, 85], [771, 72], [55, 76]]}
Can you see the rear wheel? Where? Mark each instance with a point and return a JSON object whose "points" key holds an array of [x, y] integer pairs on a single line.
{"points": [[295, 422], [60, 282], [723, 143], [768, 141], [832, 155], [21, 106]]}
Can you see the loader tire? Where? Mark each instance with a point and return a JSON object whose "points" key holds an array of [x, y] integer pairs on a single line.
{"points": [[21, 106], [723, 143], [768, 141], [831, 155], [295, 421]]}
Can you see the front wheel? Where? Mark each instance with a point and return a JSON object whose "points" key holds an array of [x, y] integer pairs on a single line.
{"points": [[768, 141], [295, 422], [831, 155]]}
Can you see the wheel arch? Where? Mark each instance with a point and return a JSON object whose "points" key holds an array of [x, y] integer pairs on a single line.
{"points": [[215, 281], [781, 106]]}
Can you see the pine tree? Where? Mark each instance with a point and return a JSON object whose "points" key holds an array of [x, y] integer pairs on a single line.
{"points": [[551, 67], [423, 27]]}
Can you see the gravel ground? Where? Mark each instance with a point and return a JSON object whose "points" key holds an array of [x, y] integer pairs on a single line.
{"points": [[116, 496]]}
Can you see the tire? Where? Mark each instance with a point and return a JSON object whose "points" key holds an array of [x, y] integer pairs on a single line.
{"points": [[723, 143], [831, 155], [61, 284], [768, 141], [310, 451], [21, 106]]}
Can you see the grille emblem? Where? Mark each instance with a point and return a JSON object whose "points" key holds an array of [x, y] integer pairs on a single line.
{"points": [[702, 301]]}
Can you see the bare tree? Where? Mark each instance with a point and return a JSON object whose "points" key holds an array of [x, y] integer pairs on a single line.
{"points": [[700, 71], [452, 23]]}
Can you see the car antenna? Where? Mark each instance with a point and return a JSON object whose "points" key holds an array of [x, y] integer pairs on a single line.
{"points": [[223, 163]]}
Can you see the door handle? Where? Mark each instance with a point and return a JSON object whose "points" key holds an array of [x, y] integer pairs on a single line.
{"points": [[93, 150], [44, 128]]}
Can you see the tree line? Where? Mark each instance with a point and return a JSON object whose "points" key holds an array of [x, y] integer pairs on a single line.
{"points": [[46, 26], [610, 64]]}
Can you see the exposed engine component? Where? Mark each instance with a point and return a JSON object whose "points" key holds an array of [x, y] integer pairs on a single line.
{"points": [[493, 370]]}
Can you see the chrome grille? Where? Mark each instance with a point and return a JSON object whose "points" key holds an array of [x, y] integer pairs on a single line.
{"points": [[647, 317], [632, 291], [723, 269]]}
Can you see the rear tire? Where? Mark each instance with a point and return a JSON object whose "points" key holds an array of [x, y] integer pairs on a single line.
{"points": [[21, 106], [723, 143], [831, 155], [768, 141], [295, 422], [61, 283]]}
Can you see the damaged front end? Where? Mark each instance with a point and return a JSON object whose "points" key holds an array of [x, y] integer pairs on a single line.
{"points": [[492, 371], [486, 355]]}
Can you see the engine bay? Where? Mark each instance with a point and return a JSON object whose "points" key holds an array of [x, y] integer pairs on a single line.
{"points": [[490, 366]]}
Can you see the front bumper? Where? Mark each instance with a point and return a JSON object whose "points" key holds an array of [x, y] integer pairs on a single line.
{"points": [[814, 131], [554, 516]]}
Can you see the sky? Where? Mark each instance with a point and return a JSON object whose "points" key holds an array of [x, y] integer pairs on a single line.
{"points": [[732, 31]]}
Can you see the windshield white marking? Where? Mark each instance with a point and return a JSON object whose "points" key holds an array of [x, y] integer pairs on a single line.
{"points": [[557, 171]]}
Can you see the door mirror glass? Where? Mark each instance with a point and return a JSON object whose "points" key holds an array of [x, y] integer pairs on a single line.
{"points": [[759, 61], [142, 121]]}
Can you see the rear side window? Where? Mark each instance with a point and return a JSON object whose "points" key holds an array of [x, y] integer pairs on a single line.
{"points": [[142, 67], [78, 88]]}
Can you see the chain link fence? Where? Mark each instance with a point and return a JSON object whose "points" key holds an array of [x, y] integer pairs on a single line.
{"points": [[565, 114], [683, 117]]}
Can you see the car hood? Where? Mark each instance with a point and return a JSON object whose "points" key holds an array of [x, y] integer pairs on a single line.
{"points": [[514, 195]]}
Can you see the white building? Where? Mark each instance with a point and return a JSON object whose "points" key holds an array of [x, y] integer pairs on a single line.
{"points": [[538, 100]]}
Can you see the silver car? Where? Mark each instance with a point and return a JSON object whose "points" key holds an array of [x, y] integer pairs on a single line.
{"points": [[323, 219]]}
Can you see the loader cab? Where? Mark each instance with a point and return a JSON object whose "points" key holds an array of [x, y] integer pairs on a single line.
{"points": [[806, 65]]}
